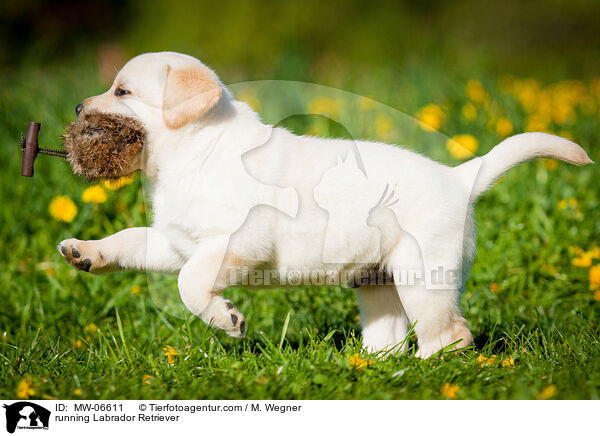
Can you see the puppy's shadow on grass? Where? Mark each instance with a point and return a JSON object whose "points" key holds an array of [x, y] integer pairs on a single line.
{"points": [[496, 345], [491, 339]]}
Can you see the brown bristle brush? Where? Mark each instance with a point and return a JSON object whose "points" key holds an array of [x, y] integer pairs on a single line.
{"points": [[97, 145]]}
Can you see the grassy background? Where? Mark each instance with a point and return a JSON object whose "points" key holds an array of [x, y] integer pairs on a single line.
{"points": [[67, 334]]}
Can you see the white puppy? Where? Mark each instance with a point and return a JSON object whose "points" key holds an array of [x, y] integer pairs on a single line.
{"points": [[232, 196]]}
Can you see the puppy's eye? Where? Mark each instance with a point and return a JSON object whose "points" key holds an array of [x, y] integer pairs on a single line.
{"points": [[121, 91]]}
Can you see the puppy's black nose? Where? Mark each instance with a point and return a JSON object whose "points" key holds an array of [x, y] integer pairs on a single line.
{"points": [[78, 108]]}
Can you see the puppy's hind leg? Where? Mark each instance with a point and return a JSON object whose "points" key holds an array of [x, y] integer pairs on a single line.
{"points": [[201, 278], [434, 310], [384, 322], [201, 281], [221, 313]]}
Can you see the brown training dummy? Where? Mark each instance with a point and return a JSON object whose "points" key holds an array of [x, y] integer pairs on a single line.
{"points": [[97, 145]]}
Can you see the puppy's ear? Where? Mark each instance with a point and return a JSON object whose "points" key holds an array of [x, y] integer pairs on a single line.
{"points": [[189, 93]]}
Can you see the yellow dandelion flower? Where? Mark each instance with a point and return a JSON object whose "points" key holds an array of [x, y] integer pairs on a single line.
{"points": [[90, 328], [324, 106], [508, 362], [462, 146], [25, 389], [136, 289], [562, 204], [537, 123], [147, 379], [571, 91], [62, 208], [431, 117], [494, 287], [485, 361], [449, 391], [584, 258], [576, 250], [383, 126], [94, 194], [594, 253], [549, 164], [170, 354], [594, 277], [544, 105], [504, 127], [597, 295], [114, 184], [561, 113], [546, 393], [469, 112], [77, 392], [584, 261], [475, 91], [358, 362], [78, 343], [528, 93]]}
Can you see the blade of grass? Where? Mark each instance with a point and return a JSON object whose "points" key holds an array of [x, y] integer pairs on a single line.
{"points": [[285, 327], [122, 335]]}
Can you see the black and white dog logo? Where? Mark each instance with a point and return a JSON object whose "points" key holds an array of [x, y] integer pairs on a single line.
{"points": [[26, 415]]}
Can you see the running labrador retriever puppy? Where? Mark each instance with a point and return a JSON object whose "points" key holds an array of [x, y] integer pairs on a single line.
{"points": [[232, 196]]}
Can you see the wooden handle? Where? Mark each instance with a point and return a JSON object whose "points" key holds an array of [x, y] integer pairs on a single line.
{"points": [[31, 149]]}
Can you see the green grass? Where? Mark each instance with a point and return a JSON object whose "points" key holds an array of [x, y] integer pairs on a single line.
{"points": [[542, 314]]}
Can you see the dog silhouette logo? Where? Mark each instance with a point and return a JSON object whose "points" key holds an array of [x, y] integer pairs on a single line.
{"points": [[26, 415]]}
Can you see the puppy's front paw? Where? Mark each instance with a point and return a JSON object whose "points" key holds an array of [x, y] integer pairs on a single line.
{"points": [[82, 255]]}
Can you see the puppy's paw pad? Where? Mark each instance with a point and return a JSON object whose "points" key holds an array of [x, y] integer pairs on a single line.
{"points": [[81, 257], [238, 322]]}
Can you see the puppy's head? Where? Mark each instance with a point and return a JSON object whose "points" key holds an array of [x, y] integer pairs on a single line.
{"points": [[153, 94]]}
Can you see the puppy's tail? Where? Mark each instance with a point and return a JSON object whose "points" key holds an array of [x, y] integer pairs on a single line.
{"points": [[480, 173]]}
